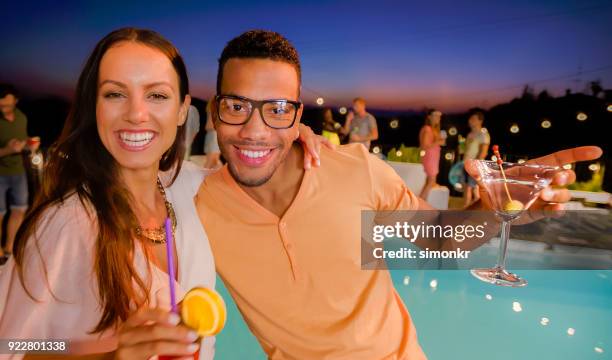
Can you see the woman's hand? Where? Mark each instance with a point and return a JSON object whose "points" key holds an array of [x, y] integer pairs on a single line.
{"points": [[311, 143], [152, 332]]}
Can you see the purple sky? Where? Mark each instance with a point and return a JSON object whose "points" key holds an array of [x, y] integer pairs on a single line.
{"points": [[396, 54]]}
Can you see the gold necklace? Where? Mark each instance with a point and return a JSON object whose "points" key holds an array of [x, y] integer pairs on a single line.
{"points": [[158, 235]]}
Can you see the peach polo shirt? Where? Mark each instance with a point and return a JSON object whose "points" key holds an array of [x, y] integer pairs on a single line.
{"points": [[297, 280]]}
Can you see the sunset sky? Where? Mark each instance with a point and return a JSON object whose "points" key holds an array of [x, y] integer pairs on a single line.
{"points": [[396, 54]]}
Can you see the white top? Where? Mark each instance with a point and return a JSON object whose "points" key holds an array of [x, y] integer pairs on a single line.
{"points": [[473, 142], [66, 238], [192, 128]]}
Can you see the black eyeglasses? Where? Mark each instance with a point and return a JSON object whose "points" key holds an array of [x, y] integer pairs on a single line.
{"points": [[276, 113]]}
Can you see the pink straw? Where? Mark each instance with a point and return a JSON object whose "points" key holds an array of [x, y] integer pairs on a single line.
{"points": [[170, 261]]}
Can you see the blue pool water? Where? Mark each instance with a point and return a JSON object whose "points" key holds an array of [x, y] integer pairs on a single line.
{"points": [[457, 320]]}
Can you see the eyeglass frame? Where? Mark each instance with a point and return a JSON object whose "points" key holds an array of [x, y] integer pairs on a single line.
{"points": [[257, 105]]}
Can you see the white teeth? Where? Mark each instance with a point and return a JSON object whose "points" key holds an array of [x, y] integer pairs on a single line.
{"points": [[254, 154], [136, 138]]}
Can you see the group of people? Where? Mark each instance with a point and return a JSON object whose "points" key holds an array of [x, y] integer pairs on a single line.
{"points": [[431, 138], [279, 222], [359, 127]]}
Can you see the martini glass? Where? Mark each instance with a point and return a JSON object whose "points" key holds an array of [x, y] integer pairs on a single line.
{"points": [[512, 189]]}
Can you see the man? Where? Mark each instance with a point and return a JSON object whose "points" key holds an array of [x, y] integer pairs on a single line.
{"points": [[286, 241], [13, 181], [476, 147], [360, 124]]}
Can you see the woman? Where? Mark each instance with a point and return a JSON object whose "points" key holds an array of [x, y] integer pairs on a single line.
{"points": [[91, 251], [330, 127], [430, 142]]}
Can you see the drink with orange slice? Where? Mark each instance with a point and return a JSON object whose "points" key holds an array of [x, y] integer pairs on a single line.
{"points": [[202, 310]]}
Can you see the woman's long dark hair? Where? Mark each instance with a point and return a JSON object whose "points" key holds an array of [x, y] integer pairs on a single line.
{"points": [[79, 163]]}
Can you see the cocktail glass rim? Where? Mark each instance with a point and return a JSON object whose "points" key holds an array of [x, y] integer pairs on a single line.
{"points": [[525, 164]]}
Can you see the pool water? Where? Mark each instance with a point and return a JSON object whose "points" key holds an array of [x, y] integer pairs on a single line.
{"points": [[561, 314]]}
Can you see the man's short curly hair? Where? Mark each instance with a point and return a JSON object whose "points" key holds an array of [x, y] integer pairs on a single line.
{"points": [[259, 44]]}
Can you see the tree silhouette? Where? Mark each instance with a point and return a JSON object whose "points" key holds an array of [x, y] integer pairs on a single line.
{"points": [[544, 96], [528, 93], [596, 87]]}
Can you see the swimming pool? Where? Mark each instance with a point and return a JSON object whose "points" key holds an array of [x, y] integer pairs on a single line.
{"points": [[561, 314]]}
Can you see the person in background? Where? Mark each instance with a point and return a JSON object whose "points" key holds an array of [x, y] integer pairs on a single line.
{"points": [[330, 127], [192, 127], [211, 147], [476, 147], [360, 125], [430, 142], [13, 180]]}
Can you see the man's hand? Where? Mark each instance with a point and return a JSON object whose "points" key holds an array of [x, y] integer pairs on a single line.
{"points": [[553, 197], [347, 123], [350, 116], [16, 146]]}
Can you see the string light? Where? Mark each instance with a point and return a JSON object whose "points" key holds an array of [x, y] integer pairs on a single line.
{"points": [[594, 167]]}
